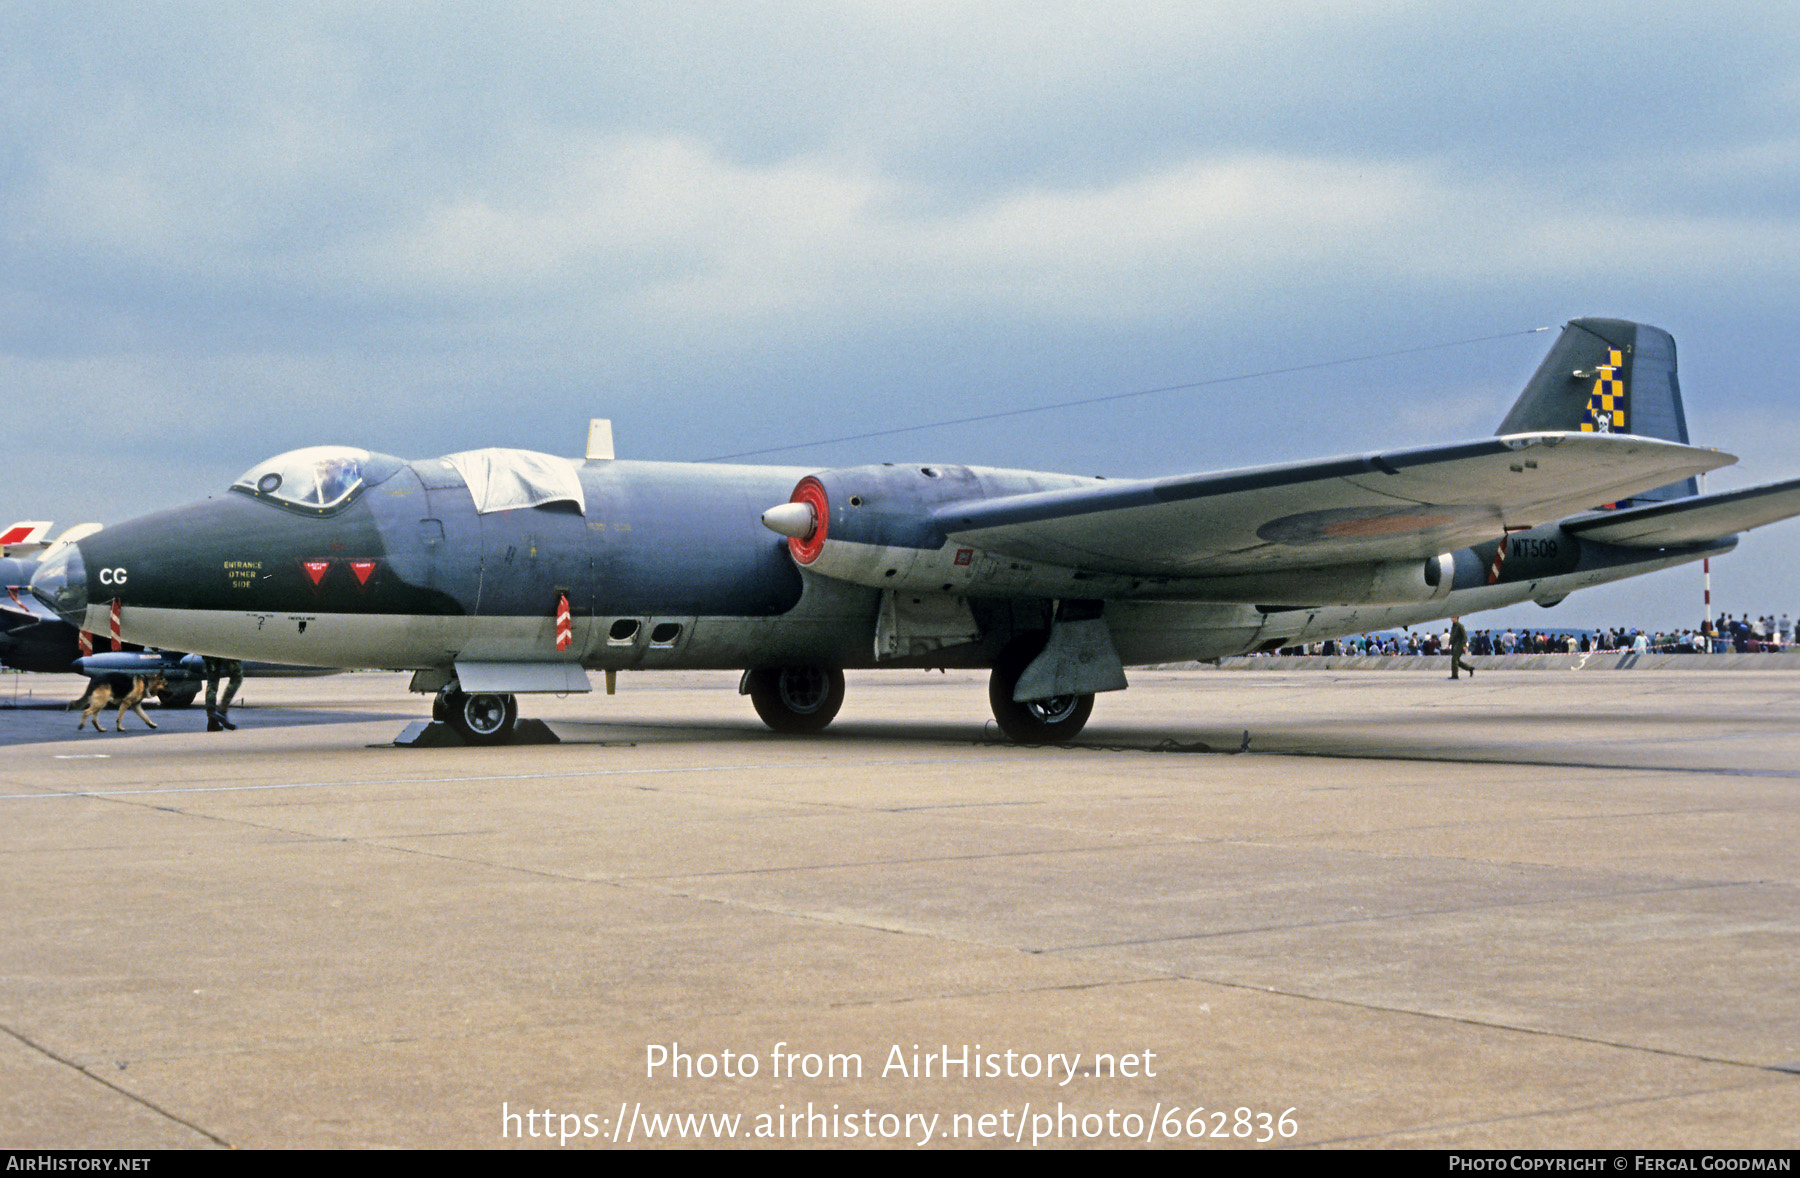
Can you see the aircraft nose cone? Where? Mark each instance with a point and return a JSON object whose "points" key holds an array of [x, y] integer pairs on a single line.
{"points": [[61, 582]]}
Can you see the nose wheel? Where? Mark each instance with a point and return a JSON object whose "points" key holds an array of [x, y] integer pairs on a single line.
{"points": [[480, 718], [797, 699]]}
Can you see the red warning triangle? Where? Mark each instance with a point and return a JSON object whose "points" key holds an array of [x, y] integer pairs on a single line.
{"points": [[364, 569], [316, 569]]}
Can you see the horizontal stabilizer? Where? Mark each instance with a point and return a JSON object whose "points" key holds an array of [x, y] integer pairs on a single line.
{"points": [[1690, 521]]}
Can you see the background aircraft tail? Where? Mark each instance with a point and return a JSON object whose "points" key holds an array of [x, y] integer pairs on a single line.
{"points": [[1607, 376], [24, 538]]}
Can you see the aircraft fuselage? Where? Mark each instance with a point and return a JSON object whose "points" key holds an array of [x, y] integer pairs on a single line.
{"points": [[667, 567]]}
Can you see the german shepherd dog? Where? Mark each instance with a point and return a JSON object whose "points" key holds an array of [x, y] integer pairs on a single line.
{"points": [[103, 693]]}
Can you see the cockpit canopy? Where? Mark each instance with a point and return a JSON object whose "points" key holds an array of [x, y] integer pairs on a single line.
{"points": [[318, 478]]}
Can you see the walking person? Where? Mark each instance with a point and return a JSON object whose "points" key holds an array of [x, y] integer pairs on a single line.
{"points": [[1459, 644], [232, 672]]}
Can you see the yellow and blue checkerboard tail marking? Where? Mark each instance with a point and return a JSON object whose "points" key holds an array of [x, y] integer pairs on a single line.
{"points": [[1606, 403]]}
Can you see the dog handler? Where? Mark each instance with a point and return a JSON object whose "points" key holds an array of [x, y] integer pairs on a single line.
{"points": [[232, 671]]}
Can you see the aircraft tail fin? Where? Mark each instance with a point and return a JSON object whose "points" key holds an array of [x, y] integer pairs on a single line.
{"points": [[24, 537], [1607, 376]]}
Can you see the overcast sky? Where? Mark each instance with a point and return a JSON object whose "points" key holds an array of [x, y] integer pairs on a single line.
{"points": [[231, 230]]}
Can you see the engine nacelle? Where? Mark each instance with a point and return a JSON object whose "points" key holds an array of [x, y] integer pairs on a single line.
{"points": [[1387, 582]]}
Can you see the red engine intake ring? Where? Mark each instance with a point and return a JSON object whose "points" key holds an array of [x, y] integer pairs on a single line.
{"points": [[810, 492]]}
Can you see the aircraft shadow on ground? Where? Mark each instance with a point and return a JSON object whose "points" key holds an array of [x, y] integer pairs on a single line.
{"points": [[1095, 739], [43, 723]]}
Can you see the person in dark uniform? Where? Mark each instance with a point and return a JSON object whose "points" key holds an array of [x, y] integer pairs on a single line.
{"points": [[232, 672], [1459, 645]]}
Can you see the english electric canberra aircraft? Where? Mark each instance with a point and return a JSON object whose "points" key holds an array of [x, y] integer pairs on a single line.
{"points": [[496, 572]]}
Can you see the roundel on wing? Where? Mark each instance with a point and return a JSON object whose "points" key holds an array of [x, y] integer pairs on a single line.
{"points": [[811, 492], [1365, 523]]}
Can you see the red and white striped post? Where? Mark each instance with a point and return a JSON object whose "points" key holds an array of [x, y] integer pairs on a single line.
{"points": [[1706, 573]]}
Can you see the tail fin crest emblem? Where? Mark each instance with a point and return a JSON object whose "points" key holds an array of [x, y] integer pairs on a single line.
{"points": [[1606, 403]]}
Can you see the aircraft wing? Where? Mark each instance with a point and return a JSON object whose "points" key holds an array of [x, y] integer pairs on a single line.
{"points": [[1395, 505], [18, 600], [1693, 520]]}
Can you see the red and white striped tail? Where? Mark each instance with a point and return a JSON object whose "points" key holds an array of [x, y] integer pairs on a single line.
{"points": [[117, 644], [565, 629]]}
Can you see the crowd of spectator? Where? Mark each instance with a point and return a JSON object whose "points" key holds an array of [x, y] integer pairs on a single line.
{"points": [[1742, 635]]}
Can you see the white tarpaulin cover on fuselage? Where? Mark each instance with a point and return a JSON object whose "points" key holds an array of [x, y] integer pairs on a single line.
{"points": [[503, 480]]}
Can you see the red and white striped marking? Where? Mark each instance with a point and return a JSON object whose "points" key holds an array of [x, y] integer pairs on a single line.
{"points": [[565, 629], [114, 626], [1499, 560], [85, 643]]}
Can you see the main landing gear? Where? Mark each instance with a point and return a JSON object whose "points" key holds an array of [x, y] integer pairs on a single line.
{"points": [[796, 700], [1037, 721], [482, 718], [805, 698]]}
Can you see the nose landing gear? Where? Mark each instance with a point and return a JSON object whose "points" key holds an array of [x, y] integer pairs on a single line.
{"points": [[480, 718], [797, 699]]}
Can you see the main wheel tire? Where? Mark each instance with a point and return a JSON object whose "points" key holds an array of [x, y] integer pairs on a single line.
{"points": [[176, 699], [482, 718], [797, 699], [1039, 721]]}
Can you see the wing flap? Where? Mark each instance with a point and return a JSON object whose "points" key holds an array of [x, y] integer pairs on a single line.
{"points": [[1395, 505], [1695, 520]]}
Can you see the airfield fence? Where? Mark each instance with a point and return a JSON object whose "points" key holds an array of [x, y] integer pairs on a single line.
{"points": [[1599, 660]]}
